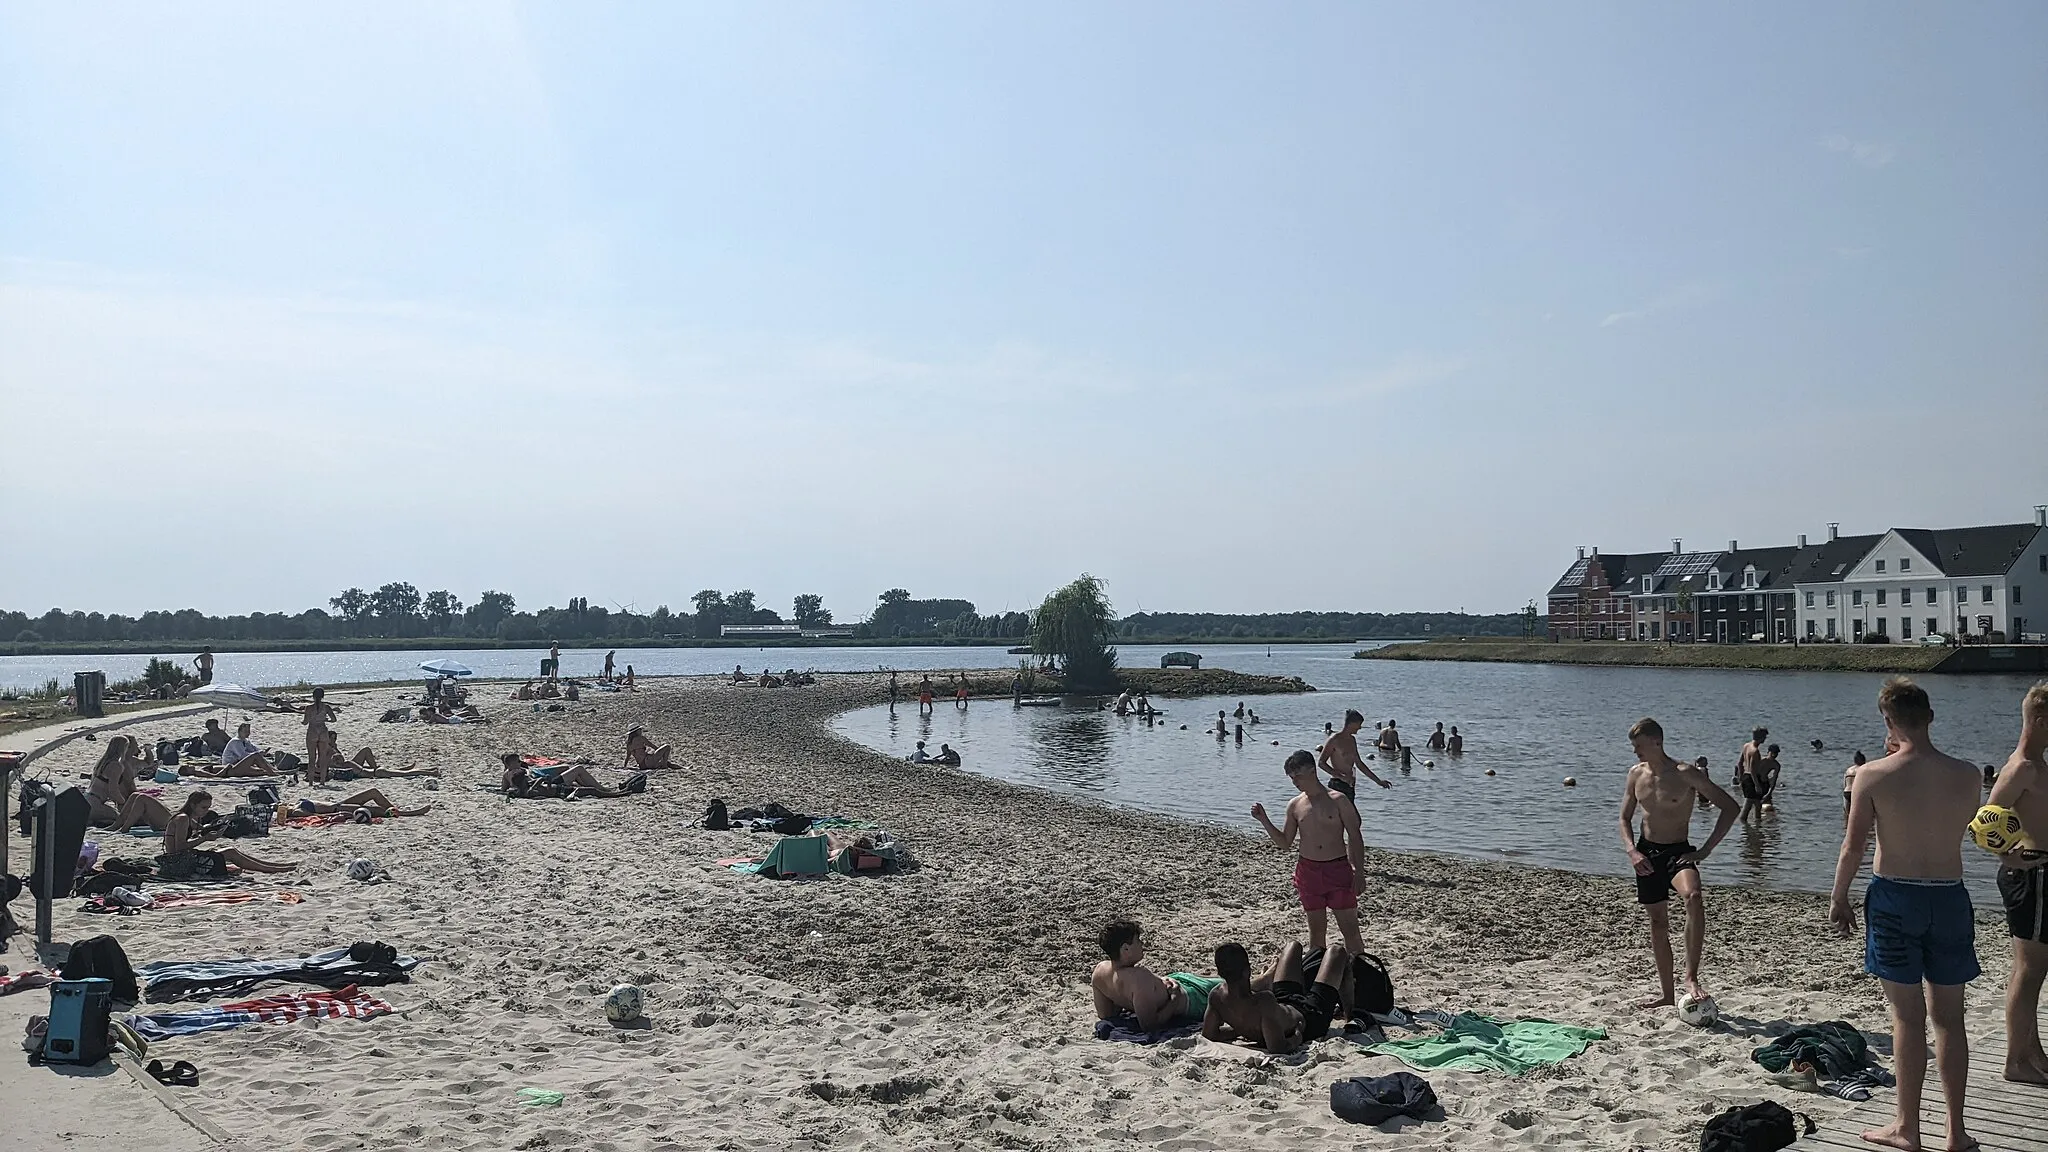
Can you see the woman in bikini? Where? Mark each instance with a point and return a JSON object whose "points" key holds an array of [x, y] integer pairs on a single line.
{"points": [[362, 765], [378, 805], [642, 754], [115, 802], [183, 860]]}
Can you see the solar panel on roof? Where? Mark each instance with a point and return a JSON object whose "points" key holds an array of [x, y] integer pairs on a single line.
{"points": [[1687, 564]]}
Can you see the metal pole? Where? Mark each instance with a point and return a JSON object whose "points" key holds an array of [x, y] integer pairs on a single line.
{"points": [[46, 849]]}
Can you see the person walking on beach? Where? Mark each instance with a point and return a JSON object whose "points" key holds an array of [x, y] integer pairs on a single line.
{"points": [[1662, 853], [1920, 937], [318, 714], [204, 662], [607, 677], [1748, 774], [554, 660], [1330, 870], [2023, 888]]}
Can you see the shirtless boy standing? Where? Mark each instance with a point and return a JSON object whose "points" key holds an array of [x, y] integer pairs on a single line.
{"points": [[1341, 760], [1123, 984], [1330, 873], [2023, 885], [1663, 855], [1920, 939]]}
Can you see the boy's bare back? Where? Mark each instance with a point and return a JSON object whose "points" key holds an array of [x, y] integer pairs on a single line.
{"points": [[1923, 801]]}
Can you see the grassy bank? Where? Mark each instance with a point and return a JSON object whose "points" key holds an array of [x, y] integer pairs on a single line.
{"points": [[1837, 657]]}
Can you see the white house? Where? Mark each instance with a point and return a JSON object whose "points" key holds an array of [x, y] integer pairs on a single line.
{"points": [[1919, 582], [1816, 575]]}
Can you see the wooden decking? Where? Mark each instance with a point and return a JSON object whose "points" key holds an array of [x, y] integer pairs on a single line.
{"points": [[2003, 1116]]}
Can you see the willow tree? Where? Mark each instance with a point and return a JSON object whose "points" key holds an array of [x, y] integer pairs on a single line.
{"points": [[1073, 628]]}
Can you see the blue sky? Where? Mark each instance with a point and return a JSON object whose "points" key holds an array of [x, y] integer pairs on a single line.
{"points": [[1240, 307]]}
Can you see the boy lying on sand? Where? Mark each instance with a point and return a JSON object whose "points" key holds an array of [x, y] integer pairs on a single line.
{"points": [[1123, 984]]}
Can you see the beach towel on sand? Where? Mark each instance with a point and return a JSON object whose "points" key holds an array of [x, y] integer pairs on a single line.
{"points": [[349, 1003], [796, 856], [1835, 1049], [1475, 1043]]}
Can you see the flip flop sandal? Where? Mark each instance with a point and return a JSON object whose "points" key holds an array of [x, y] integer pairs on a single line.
{"points": [[182, 1073]]}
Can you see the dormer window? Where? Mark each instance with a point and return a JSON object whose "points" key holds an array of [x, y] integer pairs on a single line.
{"points": [[1880, 565], [1713, 581], [1749, 577]]}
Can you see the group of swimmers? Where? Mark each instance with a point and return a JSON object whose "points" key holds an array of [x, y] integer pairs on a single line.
{"points": [[1918, 925]]}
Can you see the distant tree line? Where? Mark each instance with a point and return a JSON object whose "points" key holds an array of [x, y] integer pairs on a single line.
{"points": [[1316, 625], [400, 610]]}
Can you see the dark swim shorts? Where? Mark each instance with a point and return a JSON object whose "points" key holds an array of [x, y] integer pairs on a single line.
{"points": [[1347, 787], [1317, 1003], [1919, 931], [2025, 894], [1656, 887]]}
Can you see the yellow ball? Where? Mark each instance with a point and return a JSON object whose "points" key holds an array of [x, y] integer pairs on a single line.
{"points": [[1996, 829]]}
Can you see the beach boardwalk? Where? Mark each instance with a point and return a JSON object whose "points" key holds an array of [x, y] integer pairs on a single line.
{"points": [[2003, 1116]]}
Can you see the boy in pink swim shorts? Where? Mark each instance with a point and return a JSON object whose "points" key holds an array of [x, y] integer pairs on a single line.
{"points": [[1331, 870]]}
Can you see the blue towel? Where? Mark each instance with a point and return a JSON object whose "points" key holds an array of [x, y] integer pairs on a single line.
{"points": [[1125, 1029]]}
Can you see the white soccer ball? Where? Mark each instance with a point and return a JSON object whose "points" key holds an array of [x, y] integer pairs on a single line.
{"points": [[362, 868], [1698, 1011], [624, 1004]]}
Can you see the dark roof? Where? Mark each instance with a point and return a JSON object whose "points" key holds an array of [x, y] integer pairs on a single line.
{"points": [[1829, 560], [1773, 568], [1986, 551], [1575, 575]]}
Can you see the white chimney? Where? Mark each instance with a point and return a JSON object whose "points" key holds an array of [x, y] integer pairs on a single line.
{"points": [[1582, 553], [1802, 539], [1834, 530], [1677, 546], [1732, 547], [2041, 515]]}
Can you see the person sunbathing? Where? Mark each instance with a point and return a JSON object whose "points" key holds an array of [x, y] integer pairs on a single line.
{"points": [[184, 860], [241, 758], [562, 781], [115, 802], [1280, 1011], [363, 765], [641, 752], [369, 799]]}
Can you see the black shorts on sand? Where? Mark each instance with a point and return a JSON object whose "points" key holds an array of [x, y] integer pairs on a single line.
{"points": [[2025, 894], [1656, 887], [1317, 1003]]}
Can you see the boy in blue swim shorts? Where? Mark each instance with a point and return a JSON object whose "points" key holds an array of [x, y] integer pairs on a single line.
{"points": [[1919, 934]]}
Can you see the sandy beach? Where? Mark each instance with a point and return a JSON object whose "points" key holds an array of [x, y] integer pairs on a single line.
{"points": [[944, 1007]]}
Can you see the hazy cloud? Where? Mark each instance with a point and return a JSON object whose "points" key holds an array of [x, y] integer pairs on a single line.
{"points": [[1869, 153], [1683, 296]]}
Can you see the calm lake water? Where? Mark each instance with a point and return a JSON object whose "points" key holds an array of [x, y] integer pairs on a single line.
{"points": [[1532, 724]]}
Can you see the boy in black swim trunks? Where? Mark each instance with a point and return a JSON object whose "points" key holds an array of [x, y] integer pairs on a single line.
{"points": [[1278, 1011], [2023, 887], [1663, 856]]}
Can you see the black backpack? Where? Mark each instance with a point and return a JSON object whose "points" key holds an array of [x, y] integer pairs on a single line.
{"points": [[101, 956], [1381, 1098], [1372, 990], [715, 818], [1765, 1126], [249, 820]]}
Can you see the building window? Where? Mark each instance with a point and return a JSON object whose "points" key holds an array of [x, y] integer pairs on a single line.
{"points": [[1880, 596], [1987, 593], [1880, 626], [1905, 595], [1933, 625], [1809, 599], [2044, 561], [1656, 631], [1930, 594], [1856, 597], [1905, 627], [1809, 629], [2015, 593], [1856, 628], [1749, 578], [1962, 593], [1831, 597], [1713, 581], [1880, 566], [1831, 627], [1905, 563]]}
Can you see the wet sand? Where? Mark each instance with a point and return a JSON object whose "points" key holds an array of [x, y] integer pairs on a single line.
{"points": [[944, 1007]]}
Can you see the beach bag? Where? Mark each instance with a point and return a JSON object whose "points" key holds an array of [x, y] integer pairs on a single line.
{"points": [[1372, 990], [1765, 1126], [264, 796], [1378, 1099], [250, 820], [101, 958], [715, 818]]}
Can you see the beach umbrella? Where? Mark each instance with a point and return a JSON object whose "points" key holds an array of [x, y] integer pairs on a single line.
{"points": [[229, 696], [446, 668]]}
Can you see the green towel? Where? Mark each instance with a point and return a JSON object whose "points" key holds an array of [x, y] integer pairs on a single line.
{"points": [[1198, 989], [1476, 1043]]}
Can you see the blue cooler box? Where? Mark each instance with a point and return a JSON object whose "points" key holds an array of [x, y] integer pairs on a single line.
{"points": [[79, 1013]]}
